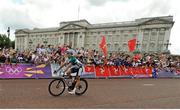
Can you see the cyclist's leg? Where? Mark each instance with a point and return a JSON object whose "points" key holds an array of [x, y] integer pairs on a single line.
{"points": [[68, 72], [74, 70], [77, 81], [78, 76]]}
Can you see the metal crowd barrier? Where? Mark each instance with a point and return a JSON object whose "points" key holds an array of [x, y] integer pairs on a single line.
{"points": [[27, 71]]}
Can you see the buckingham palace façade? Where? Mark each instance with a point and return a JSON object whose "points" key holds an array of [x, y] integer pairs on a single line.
{"points": [[152, 35]]}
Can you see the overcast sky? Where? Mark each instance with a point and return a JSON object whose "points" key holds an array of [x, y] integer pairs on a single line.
{"points": [[48, 13]]}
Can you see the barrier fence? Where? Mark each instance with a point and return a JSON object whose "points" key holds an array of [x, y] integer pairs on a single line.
{"points": [[46, 71]]}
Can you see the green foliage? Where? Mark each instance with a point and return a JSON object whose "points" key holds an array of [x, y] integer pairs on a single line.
{"points": [[6, 42]]}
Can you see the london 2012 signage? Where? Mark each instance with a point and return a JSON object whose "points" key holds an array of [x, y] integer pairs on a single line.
{"points": [[25, 71]]}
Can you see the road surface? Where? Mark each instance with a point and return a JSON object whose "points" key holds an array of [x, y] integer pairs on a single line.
{"points": [[102, 93]]}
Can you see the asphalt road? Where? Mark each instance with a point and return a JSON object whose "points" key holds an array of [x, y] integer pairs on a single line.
{"points": [[102, 93]]}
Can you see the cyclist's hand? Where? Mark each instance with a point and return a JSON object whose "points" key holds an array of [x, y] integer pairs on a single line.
{"points": [[55, 72]]}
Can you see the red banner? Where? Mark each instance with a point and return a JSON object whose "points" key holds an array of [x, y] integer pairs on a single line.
{"points": [[102, 71], [114, 71], [89, 68], [149, 71], [122, 71]]}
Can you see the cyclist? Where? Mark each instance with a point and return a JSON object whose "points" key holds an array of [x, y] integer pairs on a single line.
{"points": [[72, 66]]}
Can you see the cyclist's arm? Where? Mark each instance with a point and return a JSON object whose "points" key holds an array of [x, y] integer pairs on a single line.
{"points": [[65, 63], [68, 66]]}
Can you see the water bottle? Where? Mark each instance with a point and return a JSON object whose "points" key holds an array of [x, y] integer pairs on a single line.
{"points": [[69, 82]]}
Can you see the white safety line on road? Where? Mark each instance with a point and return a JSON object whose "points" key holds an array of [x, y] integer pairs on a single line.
{"points": [[1, 88], [148, 84]]}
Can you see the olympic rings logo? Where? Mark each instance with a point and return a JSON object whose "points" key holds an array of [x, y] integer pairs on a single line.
{"points": [[13, 70]]}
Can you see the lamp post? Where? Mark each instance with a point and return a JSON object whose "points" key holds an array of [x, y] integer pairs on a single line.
{"points": [[167, 44], [137, 45], [137, 48], [9, 41], [8, 31]]}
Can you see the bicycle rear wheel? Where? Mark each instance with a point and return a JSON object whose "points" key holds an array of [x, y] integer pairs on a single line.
{"points": [[56, 87], [82, 87]]}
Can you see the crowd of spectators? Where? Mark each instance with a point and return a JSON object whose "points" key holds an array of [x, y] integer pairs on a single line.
{"points": [[53, 54]]}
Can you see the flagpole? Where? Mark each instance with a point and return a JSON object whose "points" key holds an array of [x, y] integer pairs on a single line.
{"points": [[8, 31], [78, 11]]}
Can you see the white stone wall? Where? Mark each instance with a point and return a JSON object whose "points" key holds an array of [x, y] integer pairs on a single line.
{"points": [[150, 37]]}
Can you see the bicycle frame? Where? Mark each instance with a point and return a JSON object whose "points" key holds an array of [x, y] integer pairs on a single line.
{"points": [[64, 76]]}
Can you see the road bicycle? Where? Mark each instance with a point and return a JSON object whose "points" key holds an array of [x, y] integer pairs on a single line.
{"points": [[58, 85]]}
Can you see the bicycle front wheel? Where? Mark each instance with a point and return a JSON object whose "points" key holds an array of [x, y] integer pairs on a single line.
{"points": [[56, 87], [82, 87]]}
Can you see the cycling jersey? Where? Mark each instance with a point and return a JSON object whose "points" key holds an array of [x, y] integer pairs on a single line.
{"points": [[74, 61]]}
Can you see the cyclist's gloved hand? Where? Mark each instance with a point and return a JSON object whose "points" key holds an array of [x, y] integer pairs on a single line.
{"points": [[55, 72]]}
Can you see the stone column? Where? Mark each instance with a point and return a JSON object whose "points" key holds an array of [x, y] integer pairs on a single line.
{"points": [[149, 43], [60, 40], [75, 39], [78, 40], [140, 38], [63, 40], [67, 38], [20, 42], [26, 42], [72, 40], [157, 41], [16, 38], [83, 39]]}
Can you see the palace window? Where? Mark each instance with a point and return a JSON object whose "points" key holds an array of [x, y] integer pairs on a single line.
{"points": [[154, 33], [109, 46], [144, 46], [113, 32], [109, 39], [162, 33], [145, 36], [116, 47], [153, 36], [126, 38], [87, 45], [125, 47], [161, 38], [159, 47], [162, 29], [152, 46], [94, 46]]}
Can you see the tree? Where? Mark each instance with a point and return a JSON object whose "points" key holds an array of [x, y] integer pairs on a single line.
{"points": [[5, 41], [13, 44]]}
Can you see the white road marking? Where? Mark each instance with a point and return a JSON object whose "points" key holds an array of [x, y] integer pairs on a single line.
{"points": [[1, 88], [148, 84]]}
